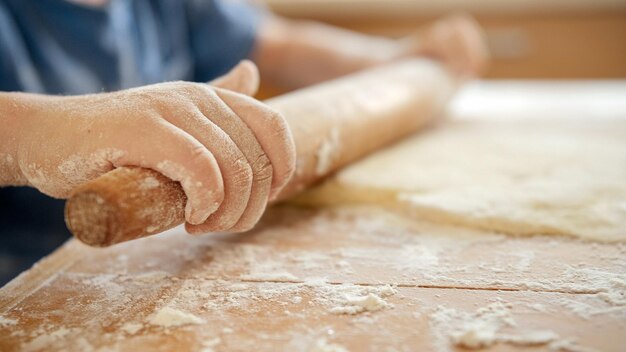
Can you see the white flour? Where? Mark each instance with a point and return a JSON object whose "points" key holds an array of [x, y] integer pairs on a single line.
{"points": [[170, 317], [322, 345], [490, 325], [7, 322], [204, 283], [43, 341], [358, 304], [327, 152], [132, 328]]}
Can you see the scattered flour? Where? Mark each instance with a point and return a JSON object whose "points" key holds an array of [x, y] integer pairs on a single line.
{"points": [[272, 276], [263, 262], [132, 328], [169, 317], [150, 277], [343, 264], [368, 302], [532, 338], [322, 345], [45, 340], [607, 286], [7, 321], [207, 346], [568, 346], [476, 334], [149, 183], [355, 305], [78, 169], [484, 328], [7, 158], [316, 281], [326, 152]]}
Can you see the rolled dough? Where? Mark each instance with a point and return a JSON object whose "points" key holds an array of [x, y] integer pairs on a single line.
{"points": [[515, 176]]}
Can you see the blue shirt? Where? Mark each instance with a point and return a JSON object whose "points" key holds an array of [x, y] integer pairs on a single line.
{"points": [[58, 47]]}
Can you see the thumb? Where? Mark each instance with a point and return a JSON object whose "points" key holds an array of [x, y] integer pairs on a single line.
{"points": [[243, 78]]}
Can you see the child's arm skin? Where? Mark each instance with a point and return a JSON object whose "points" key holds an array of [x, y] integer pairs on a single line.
{"points": [[222, 145], [293, 54], [218, 143]]}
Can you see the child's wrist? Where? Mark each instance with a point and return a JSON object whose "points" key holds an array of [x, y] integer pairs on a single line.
{"points": [[13, 116]]}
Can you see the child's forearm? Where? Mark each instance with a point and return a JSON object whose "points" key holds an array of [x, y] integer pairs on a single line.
{"points": [[293, 54], [12, 116], [229, 152]]}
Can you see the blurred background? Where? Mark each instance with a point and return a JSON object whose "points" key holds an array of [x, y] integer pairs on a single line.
{"points": [[545, 39], [529, 39]]}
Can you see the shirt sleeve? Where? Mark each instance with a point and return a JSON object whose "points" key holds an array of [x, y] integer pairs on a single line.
{"points": [[222, 34], [16, 70]]}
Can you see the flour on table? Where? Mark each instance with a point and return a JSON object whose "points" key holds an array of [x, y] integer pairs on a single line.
{"points": [[170, 317], [322, 345], [354, 305], [471, 330], [132, 328], [530, 338], [150, 277], [45, 340], [367, 302], [519, 177], [272, 276], [7, 321], [483, 328], [490, 325], [207, 346]]}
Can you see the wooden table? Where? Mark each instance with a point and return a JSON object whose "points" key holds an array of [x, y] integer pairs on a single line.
{"points": [[304, 279]]}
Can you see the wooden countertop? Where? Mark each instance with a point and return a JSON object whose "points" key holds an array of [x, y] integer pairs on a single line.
{"points": [[289, 284]]}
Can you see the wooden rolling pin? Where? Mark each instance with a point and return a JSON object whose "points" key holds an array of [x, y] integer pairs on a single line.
{"points": [[333, 123]]}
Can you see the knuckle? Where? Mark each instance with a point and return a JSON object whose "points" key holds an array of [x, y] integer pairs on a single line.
{"points": [[243, 172], [182, 93], [243, 167], [279, 123], [197, 90], [274, 115], [262, 168], [199, 153]]}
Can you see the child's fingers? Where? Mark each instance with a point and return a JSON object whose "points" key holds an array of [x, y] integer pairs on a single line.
{"points": [[232, 124], [243, 78], [272, 132], [178, 155], [236, 172]]}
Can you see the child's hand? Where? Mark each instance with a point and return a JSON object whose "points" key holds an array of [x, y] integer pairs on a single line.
{"points": [[456, 40], [230, 152]]}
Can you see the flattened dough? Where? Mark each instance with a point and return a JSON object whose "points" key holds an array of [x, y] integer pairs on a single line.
{"points": [[521, 177]]}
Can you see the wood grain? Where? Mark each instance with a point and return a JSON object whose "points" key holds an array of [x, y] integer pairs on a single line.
{"points": [[87, 303]]}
